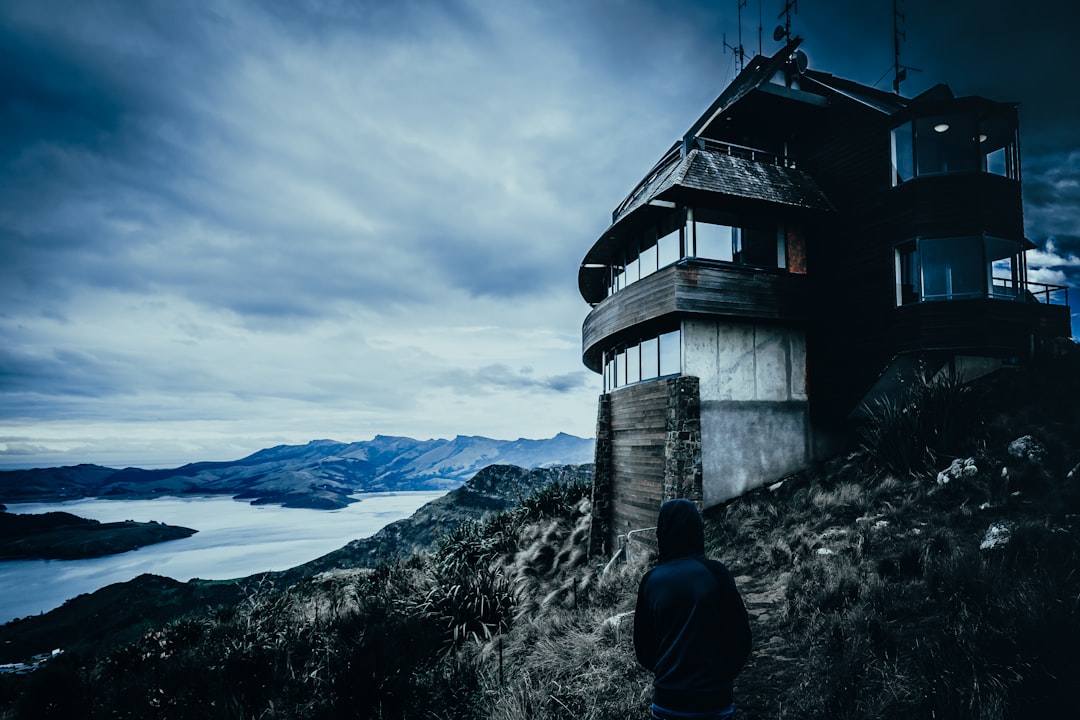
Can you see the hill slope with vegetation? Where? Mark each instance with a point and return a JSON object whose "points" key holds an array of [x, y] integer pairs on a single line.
{"points": [[931, 573]]}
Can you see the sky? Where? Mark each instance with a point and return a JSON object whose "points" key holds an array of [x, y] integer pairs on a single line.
{"points": [[228, 225]]}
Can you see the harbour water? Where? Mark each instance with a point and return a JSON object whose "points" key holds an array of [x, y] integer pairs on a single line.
{"points": [[234, 539]]}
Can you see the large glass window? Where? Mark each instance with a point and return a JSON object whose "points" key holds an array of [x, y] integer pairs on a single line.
{"points": [[670, 353], [903, 149], [715, 242], [945, 144], [633, 364], [651, 358], [668, 250], [761, 246], [706, 234], [998, 146], [956, 143], [648, 261], [953, 268]]}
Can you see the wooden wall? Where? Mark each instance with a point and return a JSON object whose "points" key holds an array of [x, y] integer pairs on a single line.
{"points": [[692, 288], [639, 436]]}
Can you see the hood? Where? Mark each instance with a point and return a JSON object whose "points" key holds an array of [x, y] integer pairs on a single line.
{"points": [[679, 530]]}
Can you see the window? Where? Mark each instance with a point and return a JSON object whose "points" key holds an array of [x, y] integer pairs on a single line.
{"points": [[945, 144], [652, 358], [908, 280], [705, 234], [670, 353], [633, 364], [956, 143], [954, 268], [648, 261], [1006, 276], [903, 150], [998, 146], [668, 250], [715, 242], [761, 246]]}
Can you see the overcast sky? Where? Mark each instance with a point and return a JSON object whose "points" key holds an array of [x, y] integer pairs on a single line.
{"points": [[230, 225]]}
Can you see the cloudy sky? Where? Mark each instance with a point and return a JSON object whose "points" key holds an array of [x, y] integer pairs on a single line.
{"points": [[226, 225]]}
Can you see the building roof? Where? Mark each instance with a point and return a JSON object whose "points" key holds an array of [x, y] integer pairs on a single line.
{"points": [[720, 169]]}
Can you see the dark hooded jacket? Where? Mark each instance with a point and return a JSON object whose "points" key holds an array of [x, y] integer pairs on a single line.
{"points": [[690, 625]]}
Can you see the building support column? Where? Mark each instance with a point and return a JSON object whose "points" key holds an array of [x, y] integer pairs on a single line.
{"points": [[682, 449]]}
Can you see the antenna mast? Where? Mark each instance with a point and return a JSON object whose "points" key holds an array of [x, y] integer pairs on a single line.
{"points": [[740, 52], [899, 36], [759, 27], [786, 14]]}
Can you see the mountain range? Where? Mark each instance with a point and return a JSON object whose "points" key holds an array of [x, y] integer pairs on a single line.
{"points": [[322, 474]]}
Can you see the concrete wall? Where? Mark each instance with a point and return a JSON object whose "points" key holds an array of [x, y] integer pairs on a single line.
{"points": [[755, 425]]}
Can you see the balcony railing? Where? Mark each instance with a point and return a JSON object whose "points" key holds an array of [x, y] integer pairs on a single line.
{"points": [[1040, 292], [744, 152]]}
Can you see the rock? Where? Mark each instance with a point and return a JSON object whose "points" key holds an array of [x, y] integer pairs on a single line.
{"points": [[616, 620], [1027, 448], [997, 535], [957, 469]]}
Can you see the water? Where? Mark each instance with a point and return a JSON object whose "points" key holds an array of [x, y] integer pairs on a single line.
{"points": [[235, 539]]}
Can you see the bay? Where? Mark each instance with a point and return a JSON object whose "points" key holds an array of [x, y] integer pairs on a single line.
{"points": [[234, 539]]}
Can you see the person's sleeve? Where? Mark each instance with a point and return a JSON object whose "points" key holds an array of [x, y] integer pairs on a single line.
{"points": [[644, 630]]}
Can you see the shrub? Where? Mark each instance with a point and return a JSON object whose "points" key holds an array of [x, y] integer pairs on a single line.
{"points": [[929, 420]]}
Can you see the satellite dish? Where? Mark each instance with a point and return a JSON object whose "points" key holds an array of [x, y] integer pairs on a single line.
{"points": [[800, 61], [779, 33]]}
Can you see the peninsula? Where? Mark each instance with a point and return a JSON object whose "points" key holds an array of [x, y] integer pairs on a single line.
{"points": [[63, 536]]}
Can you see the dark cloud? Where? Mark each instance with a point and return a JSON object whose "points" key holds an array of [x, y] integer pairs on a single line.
{"points": [[499, 378], [283, 211]]}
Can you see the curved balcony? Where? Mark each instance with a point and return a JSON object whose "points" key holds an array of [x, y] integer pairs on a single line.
{"points": [[692, 287]]}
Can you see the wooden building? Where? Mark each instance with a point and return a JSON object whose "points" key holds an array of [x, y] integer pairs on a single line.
{"points": [[807, 242]]}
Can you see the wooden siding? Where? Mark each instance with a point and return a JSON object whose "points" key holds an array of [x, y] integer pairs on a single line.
{"points": [[692, 288], [639, 436]]}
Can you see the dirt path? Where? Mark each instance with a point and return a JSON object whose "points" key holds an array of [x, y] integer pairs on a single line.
{"points": [[770, 667]]}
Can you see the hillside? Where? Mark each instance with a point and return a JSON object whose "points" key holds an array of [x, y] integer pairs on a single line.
{"points": [[929, 573], [494, 489], [322, 474], [79, 625]]}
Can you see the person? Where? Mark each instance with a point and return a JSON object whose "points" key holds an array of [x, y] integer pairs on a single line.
{"points": [[690, 625]]}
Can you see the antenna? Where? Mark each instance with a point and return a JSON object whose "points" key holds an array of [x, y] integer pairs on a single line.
{"points": [[759, 27], [783, 32], [740, 52], [899, 36]]}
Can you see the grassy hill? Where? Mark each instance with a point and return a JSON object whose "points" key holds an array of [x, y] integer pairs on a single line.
{"points": [[931, 573]]}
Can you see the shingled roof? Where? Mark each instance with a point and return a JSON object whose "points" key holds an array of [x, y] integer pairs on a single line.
{"points": [[729, 174]]}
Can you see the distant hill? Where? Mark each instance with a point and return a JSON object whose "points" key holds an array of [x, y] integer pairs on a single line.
{"points": [[321, 474]]}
